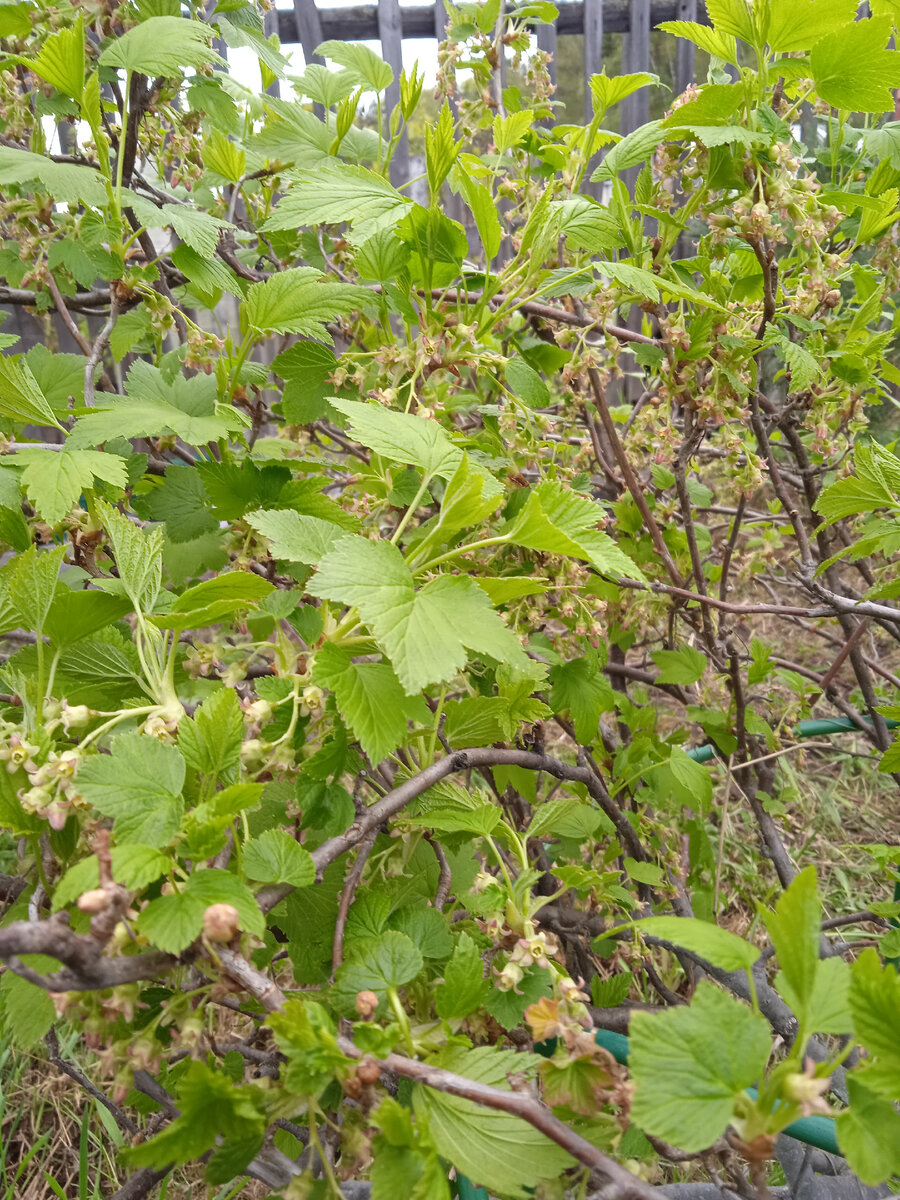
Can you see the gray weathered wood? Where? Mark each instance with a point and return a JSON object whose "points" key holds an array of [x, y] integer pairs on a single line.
{"points": [[440, 19], [685, 51], [360, 23], [270, 26], [636, 57], [307, 29], [592, 18], [390, 31]]}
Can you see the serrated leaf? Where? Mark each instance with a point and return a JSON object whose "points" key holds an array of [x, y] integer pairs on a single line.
{"points": [[579, 688], [425, 634], [868, 1133], [61, 60], [714, 41], [27, 1011], [138, 556], [54, 480], [214, 600], [607, 91], [717, 946], [139, 785], [369, 698], [33, 582], [199, 229], [161, 46], [853, 69], [211, 740], [274, 857], [294, 536], [65, 182], [298, 301], [794, 928], [20, 397], [401, 437], [499, 1151], [684, 665], [336, 193], [387, 961], [367, 68], [690, 1063]]}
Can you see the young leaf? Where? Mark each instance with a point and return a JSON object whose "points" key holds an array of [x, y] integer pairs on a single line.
{"points": [[274, 857], [211, 740], [161, 46], [335, 193], [54, 480], [500, 1151], [365, 67], [20, 397], [294, 536], [139, 785], [296, 301], [690, 1063], [685, 665], [853, 69], [61, 60], [387, 961], [717, 946], [369, 698], [794, 928], [28, 1012], [138, 555]]}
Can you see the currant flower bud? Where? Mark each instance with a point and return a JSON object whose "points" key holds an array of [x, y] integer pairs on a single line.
{"points": [[366, 1004], [221, 922]]}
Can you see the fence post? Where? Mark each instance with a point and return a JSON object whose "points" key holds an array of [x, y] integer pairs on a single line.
{"points": [[685, 51], [270, 26], [593, 65], [390, 31], [309, 29]]}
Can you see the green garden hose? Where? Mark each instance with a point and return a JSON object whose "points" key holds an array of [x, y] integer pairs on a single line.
{"points": [[814, 1131]]}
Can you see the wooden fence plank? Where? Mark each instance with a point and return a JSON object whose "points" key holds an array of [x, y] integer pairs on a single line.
{"points": [[360, 22], [308, 29], [592, 17], [390, 31], [685, 51], [636, 57]]}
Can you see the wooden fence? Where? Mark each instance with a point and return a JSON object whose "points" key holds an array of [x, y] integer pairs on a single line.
{"points": [[308, 24]]}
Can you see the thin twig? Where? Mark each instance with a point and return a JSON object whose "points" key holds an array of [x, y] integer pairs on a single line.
{"points": [[97, 350]]}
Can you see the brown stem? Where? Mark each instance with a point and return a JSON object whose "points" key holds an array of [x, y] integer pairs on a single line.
{"points": [[349, 891]]}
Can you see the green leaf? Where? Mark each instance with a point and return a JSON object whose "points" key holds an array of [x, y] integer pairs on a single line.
{"points": [[296, 301], [426, 633], [161, 46], [440, 149], [274, 857], [560, 521], [211, 1107], [714, 41], [305, 367], [580, 688], [294, 536], [468, 500], [688, 781], [734, 17], [401, 437], [875, 1004], [690, 1063], [868, 1133], [33, 582], [369, 698], [182, 503], [134, 866], [28, 1012], [498, 1151], [587, 225], [65, 182], [155, 406], [794, 928], [802, 23], [853, 70], [426, 928], [509, 130], [138, 555], [210, 741], [171, 923], [608, 91], [213, 600], [484, 210], [365, 66], [199, 229], [632, 150], [717, 946], [61, 60], [20, 397], [139, 785], [464, 989], [54, 480], [336, 193], [376, 964], [685, 665], [77, 615]]}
